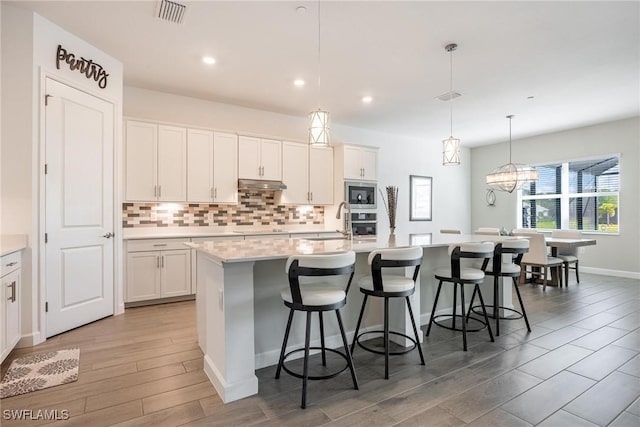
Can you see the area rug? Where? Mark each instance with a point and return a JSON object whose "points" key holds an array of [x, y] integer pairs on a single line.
{"points": [[42, 370]]}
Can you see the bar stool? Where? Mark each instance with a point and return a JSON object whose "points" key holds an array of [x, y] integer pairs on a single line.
{"points": [[459, 275], [498, 268], [316, 296], [390, 286]]}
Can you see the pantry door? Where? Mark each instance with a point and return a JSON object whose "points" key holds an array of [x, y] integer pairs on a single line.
{"points": [[79, 223]]}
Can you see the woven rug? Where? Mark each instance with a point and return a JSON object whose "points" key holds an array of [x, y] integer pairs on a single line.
{"points": [[41, 370]]}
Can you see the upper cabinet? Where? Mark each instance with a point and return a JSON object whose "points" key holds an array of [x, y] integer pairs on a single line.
{"points": [[360, 163], [212, 175], [308, 173], [156, 162], [259, 158]]}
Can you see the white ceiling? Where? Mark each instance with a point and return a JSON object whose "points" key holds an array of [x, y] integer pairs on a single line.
{"points": [[580, 60]]}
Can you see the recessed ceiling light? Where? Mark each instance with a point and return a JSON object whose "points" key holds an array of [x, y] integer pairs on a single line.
{"points": [[367, 99], [209, 60], [298, 82]]}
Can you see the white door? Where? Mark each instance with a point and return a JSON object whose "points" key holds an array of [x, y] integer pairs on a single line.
{"points": [[143, 276], [225, 168], [200, 166], [369, 164], [172, 164], [295, 173], [271, 158], [175, 272], [352, 163], [320, 175], [78, 208], [141, 158], [249, 166]]}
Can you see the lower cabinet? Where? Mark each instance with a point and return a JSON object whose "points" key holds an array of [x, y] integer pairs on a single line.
{"points": [[10, 331], [159, 268]]}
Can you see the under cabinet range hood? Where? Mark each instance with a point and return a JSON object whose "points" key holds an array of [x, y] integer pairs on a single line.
{"points": [[258, 184]]}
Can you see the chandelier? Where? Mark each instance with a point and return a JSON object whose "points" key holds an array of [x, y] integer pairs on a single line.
{"points": [[451, 145], [511, 176], [319, 119]]}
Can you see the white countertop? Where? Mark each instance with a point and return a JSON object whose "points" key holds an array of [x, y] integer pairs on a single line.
{"points": [[176, 232], [10, 243], [268, 249]]}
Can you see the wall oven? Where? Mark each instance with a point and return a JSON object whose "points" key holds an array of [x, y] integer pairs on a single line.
{"points": [[361, 195], [364, 223]]}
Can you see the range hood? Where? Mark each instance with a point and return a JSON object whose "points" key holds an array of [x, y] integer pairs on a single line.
{"points": [[258, 184]]}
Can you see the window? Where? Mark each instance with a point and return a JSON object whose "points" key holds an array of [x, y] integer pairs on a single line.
{"points": [[578, 195]]}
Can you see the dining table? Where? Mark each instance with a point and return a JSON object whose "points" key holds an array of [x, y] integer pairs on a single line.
{"points": [[556, 243]]}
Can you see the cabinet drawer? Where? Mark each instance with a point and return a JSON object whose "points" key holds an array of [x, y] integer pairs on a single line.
{"points": [[156, 245], [10, 263]]}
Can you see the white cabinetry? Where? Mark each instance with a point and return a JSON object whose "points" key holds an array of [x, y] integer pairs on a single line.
{"points": [[360, 163], [308, 174], [158, 268], [10, 332], [259, 158], [156, 162], [213, 167]]}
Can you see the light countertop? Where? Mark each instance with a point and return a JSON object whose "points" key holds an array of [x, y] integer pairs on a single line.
{"points": [[10, 243], [268, 249], [187, 232]]}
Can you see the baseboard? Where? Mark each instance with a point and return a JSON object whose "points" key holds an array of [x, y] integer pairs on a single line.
{"points": [[29, 340], [607, 272], [229, 392]]}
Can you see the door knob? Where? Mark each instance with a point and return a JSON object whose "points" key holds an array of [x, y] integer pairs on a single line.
{"points": [[109, 235]]}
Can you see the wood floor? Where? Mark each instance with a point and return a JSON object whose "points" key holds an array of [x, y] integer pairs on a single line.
{"points": [[579, 367]]}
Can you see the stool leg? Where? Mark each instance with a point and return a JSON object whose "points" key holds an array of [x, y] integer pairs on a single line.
{"points": [[455, 305], [324, 353], [544, 279], [473, 297], [347, 352], [566, 274], [577, 274], [496, 310], [415, 330], [433, 310], [305, 372], [524, 313], [386, 338], [464, 324], [355, 335], [284, 343], [484, 311]]}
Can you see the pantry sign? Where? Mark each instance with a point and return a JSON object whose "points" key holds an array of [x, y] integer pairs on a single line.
{"points": [[91, 69]]}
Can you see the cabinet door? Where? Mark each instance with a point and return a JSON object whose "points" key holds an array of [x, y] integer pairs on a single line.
{"points": [[271, 156], [176, 273], [320, 175], [295, 173], [141, 161], [172, 164], [11, 285], [369, 162], [199, 166], [143, 276], [352, 163], [225, 168], [249, 166]]}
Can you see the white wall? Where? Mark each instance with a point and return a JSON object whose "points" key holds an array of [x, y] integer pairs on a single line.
{"points": [[619, 253], [29, 46], [399, 156]]}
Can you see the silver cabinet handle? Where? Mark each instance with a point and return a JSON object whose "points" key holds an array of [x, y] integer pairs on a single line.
{"points": [[157, 262], [108, 235], [159, 244], [311, 196], [215, 193], [12, 298], [11, 264], [162, 263], [159, 190]]}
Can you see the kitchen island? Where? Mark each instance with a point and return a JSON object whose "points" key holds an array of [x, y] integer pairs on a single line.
{"points": [[241, 317]]}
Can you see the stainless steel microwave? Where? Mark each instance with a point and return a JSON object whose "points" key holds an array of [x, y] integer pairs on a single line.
{"points": [[361, 195]]}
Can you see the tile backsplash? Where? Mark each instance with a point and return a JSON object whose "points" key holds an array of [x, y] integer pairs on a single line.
{"points": [[257, 208]]}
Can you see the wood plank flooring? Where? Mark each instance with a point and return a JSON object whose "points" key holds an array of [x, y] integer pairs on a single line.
{"points": [[580, 366]]}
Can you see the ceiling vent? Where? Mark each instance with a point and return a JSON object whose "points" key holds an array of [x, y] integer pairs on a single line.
{"points": [[171, 11], [449, 96]]}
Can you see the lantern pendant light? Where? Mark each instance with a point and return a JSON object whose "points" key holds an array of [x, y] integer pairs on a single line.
{"points": [[319, 119], [511, 176], [451, 145]]}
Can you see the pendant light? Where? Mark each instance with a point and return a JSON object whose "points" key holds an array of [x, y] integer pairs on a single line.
{"points": [[319, 119], [511, 176], [451, 145]]}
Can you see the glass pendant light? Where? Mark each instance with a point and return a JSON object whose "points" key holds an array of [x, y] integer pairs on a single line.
{"points": [[451, 145], [319, 119], [511, 176]]}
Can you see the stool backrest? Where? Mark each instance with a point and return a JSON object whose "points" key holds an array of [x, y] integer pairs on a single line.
{"points": [[490, 231], [567, 234], [469, 250], [335, 264], [450, 231], [537, 248], [517, 248], [395, 257]]}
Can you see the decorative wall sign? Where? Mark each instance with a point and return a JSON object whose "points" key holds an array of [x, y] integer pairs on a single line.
{"points": [[92, 70], [420, 198], [491, 198]]}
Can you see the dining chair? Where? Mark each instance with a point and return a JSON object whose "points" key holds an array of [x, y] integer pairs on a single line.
{"points": [[489, 231], [538, 259], [568, 255], [450, 231]]}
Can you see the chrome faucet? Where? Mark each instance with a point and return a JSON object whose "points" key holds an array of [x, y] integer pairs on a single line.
{"points": [[348, 227]]}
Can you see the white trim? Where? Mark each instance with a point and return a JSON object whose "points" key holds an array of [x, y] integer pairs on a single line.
{"points": [[29, 340], [229, 392], [608, 272]]}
